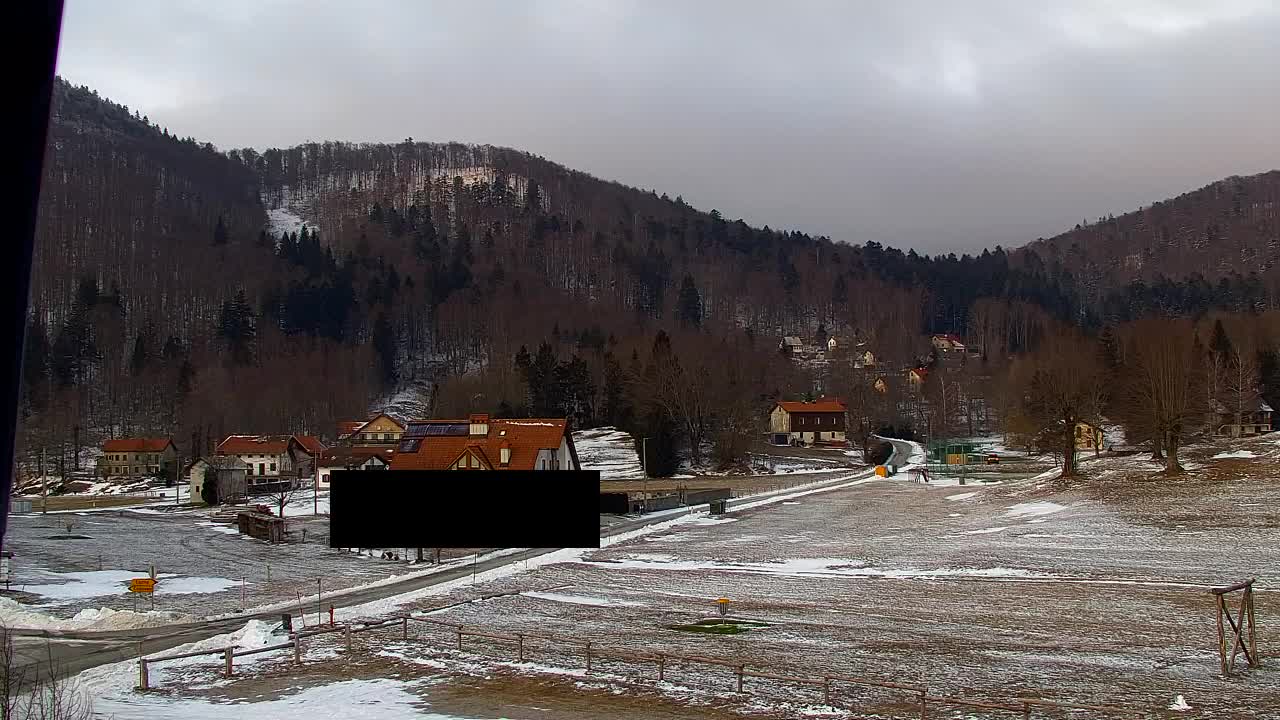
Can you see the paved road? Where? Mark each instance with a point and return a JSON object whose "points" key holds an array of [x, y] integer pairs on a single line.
{"points": [[73, 652]]}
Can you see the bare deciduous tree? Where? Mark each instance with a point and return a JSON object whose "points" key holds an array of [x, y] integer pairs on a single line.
{"points": [[1165, 382], [1065, 388]]}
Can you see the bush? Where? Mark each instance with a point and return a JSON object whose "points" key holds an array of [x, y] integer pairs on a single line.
{"points": [[878, 452]]}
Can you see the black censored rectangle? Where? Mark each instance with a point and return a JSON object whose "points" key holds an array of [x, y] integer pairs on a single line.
{"points": [[463, 509]]}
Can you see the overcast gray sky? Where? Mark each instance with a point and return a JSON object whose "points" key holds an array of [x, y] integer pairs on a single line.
{"points": [[935, 125]]}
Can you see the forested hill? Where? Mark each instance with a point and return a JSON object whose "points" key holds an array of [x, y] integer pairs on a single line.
{"points": [[161, 304], [1216, 247]]}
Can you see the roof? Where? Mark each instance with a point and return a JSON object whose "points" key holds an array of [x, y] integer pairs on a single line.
{"points": [[948, 336], [136, 445], [436, 444], [254, 445], [310, 443], [823, 406], [222, 462], [792, 340], [346, 428], [348, 459], [364, 424]]}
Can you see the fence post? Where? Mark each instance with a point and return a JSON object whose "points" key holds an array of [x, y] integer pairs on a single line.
{"points": [[297, 648], [519, 648], [1026, 711], [826, 691], [924, 706], [228, 656], [405, 626], [662, 667], [346, 635], [588, 656], [1222, 637], [459, 638], [1253, 631], [740, 669], [143, 681]]}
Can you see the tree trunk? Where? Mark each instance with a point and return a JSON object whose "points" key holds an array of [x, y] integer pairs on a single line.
{"points": [[1069, 451], [1171, 466], [1157, 445], [419, 554]]}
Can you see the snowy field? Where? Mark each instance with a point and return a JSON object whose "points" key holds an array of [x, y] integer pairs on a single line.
{"points": [[1093, 591]]}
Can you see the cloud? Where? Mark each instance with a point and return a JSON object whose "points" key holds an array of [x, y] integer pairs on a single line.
{"points": [[934, 125]]}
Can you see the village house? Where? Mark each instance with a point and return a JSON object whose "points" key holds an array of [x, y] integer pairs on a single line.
{"points": [[138, 458], [814, 423], [947, 343], [274, 461], [880, 385], [344, 460], [382, 429], [227, 474], [791, 345], [479, 443], [916, 378], [1256, 419], [1088, 436]]}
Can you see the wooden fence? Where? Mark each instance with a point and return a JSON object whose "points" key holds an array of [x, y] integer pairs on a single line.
{"points": [[917, 696]]}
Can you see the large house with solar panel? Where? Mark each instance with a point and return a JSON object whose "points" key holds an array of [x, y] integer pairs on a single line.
{"points": [[481, 443]]}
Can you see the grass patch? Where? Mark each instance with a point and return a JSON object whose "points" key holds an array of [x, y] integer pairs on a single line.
{"points": [[719, 627]]}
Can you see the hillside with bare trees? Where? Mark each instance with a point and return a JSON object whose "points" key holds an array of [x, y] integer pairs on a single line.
{"points": [[170, 298]]}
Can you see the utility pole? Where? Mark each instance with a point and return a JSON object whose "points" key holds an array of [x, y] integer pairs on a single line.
{"points": [[44, 486], [644, 465], [76, 462]]}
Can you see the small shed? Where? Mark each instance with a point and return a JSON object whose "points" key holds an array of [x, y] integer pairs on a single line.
{"points": [[227, 473]]}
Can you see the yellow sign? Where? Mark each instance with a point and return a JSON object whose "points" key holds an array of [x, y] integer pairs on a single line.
{"points": [[722, 601], [142, 585]]}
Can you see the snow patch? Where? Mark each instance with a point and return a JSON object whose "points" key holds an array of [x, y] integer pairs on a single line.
{"points": [[1179, 705], [962, 496], [985, 531], [1233, 454], [579, 599], [1033, 509]]}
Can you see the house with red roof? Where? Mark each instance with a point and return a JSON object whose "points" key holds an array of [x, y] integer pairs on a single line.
{"points": [[138, 458], [274, 461], [379, 430], [821, 422], [482, 443]]}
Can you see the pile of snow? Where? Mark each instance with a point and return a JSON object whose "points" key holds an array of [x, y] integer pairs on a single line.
{"points": [[1179, 704], [609, 450], [1234, 454], [962, 496], [16, 615]]}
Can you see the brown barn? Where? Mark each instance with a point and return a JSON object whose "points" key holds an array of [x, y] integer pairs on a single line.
{"points": [[815, 423]]}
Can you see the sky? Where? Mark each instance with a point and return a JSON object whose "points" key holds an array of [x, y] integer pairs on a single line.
{"points": [[939, 126]]}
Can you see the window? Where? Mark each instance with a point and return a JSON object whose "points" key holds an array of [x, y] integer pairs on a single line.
{"points": [[260, 471], [504, 455], [273, 467], [475, 461]]}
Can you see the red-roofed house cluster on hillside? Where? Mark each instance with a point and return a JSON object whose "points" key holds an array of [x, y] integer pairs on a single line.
{"points": [[481, 443], [821, 422], [137, 458]]}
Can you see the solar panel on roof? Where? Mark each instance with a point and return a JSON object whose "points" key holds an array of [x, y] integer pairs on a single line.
{"points": [[446, 429], [409, 445], [416, 430]]}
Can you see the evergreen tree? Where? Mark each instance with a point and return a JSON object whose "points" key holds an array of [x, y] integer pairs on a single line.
{"points": [[35, 362], [138, 360], [384, 344], [220, 233], [657, 445], [186, 378], [689, 303], [236, 325], [1220, 344], [821, 337], [533, 198], [209, 490]]}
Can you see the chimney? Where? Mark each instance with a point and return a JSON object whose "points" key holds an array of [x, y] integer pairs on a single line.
{"points": [[479, 426]]}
